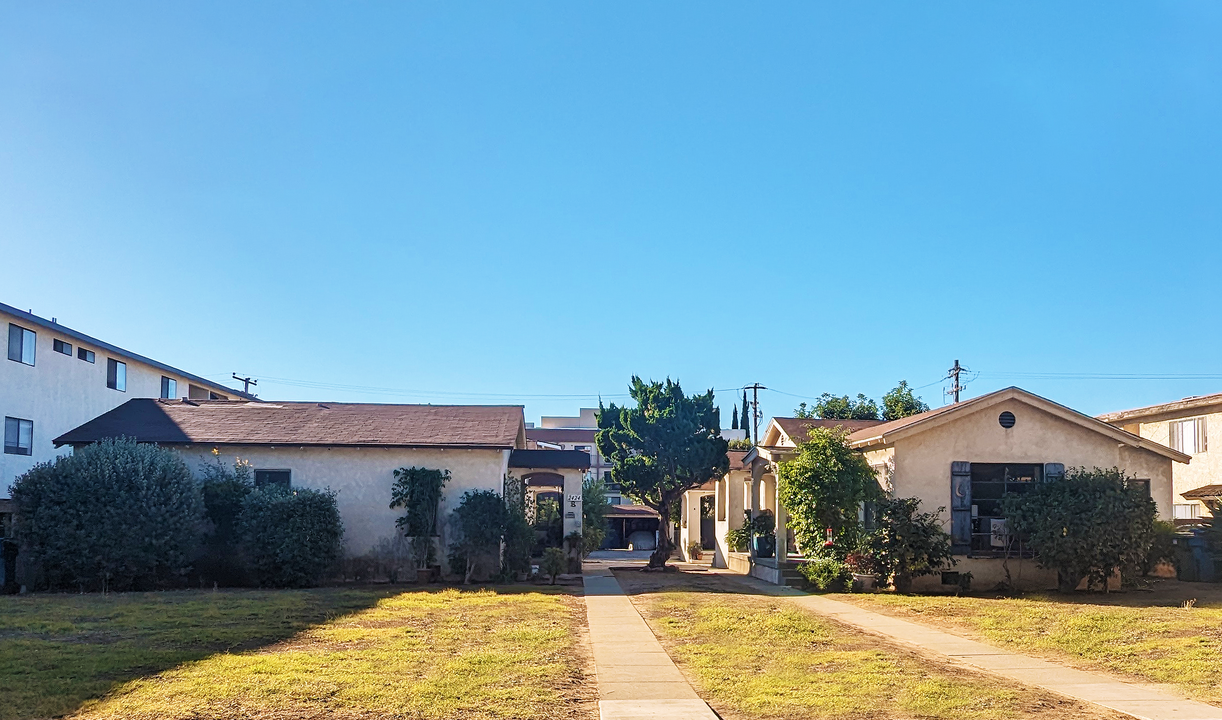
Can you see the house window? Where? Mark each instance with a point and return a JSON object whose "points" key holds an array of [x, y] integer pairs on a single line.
{"points": [[61, 347], [990, 483], [116, 375], [263, 478], [18, 436], [169, 388], [615, 500], [606, 476], [21, 344], [86, 355], [1141, 483], [1187, 511], [1188, 436]]}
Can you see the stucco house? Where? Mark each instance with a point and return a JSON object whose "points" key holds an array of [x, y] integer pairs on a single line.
{"points": [[353, 449], [959, 459], [1184, 425]]}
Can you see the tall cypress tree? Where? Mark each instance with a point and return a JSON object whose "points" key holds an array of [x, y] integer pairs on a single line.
{"points": [[746, 421], [734, 419]]}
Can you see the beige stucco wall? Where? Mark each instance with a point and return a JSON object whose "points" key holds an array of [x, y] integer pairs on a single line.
{"points": [[362, 479], [922, 466], [60, 392], [1205, 468]]}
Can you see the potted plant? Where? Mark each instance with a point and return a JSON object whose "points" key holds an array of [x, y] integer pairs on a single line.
{"points": [[694, 551], [417, 491], [864, 569], [738, 539], [763, 532]]}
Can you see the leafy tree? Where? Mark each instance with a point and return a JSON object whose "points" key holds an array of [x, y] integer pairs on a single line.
{"points": [[822, 487], [1086, 525], [115, 515], [291, 537], [744, 444], [519, 533], [666, 445], [839, 407], [594, 509], [418, 491], [479, 524], [907, 544], [901, 403], [745, 420]]}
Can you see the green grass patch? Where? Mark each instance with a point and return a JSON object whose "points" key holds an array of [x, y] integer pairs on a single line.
{"points": [[1127, 634], [761, 657], [325, 652]]}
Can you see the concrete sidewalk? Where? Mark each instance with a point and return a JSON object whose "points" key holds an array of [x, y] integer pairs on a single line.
{"points": [[1149, 702], [636, 678]]}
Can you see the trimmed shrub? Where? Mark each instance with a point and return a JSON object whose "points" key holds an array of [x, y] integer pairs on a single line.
{"points": [[827, 574], [221, 560], [554, 563], [115, 515], [907, 544], [291, 538], [479, 524]]}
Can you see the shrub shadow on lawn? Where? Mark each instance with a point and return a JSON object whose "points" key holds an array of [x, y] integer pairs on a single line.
{"points": [[59, 651]]}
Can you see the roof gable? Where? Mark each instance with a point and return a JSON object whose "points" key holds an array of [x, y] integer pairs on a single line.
{"points": [[229, 422], [788, 432], [887, 433]]}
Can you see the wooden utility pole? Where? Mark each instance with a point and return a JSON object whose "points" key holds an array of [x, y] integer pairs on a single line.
{"points": [[246, 382], [953, 376], [755, 408]]}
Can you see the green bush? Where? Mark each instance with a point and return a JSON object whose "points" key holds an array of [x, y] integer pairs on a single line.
{"points": [[827, 574], [222, 560], [291, 538], [115, 515], [594, 509], [1086, 525], [907, 544], [479, 525], [519, 534], [738, 539], [554, 563]]}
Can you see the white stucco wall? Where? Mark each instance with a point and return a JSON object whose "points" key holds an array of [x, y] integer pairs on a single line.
{"points": [[362, 479], [1205, 468], [60, 392]]}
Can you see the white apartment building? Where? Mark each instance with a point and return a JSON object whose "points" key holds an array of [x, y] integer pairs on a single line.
{"points": [[575, 433], [54, 379]]}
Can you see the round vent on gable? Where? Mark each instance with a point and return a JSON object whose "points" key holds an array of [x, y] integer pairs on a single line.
{"points": [[1006, 419]]}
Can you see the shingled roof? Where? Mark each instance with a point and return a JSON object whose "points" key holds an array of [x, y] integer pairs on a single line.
{"points": [[233, 422]]}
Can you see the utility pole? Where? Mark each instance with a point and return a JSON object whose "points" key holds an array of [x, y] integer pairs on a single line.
{"points": [[953, 375], [755, 407], [246, 382]]}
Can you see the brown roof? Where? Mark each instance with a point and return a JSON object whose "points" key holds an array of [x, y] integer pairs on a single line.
{"points": [[885, 427], [798, 428], [631, 511], [1180, 408], [736, 458], [1204, 493], [561, 434], [234, 422]]}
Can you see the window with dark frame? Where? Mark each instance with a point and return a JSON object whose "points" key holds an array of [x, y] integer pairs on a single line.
{"points": [[21, 344], [18, 436], [282, 478], [990, 483], [169, 388], [61, 347], [86, 355], [116, 375]]}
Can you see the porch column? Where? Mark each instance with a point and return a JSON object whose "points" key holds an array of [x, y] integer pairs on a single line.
{"points": [[693, 520], [757, 479], [735, 501], [570, 504], [782, 520]]}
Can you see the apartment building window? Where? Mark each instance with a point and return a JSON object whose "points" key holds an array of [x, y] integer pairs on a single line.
{"points": [[282, 478], [86, 355], [169, 388], [1187, 511], [18, 436], [582, 448], [1188, 436], [116, 375], [62, 347], [21, 344]]}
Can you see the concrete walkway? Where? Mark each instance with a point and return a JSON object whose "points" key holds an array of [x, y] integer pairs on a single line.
{"points": [[636, 678], [1149, 702]]}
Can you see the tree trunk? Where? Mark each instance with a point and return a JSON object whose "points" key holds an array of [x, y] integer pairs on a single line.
{"points": [[662, 553]]}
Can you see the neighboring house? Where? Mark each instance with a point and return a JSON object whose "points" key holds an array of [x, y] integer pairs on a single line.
{"points": [[1184, 425], [55, 378], [353, 449], [959, 460]]}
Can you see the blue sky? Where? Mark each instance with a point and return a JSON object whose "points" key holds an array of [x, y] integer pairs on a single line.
{"points": [[530, 202]]}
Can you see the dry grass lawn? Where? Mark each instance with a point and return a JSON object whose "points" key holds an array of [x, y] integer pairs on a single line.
{"points": [[325, 653], [1171, 635], [755, 657]]}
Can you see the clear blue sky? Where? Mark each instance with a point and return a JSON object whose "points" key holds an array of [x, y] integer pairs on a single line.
{"points": [[503, 201]]}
